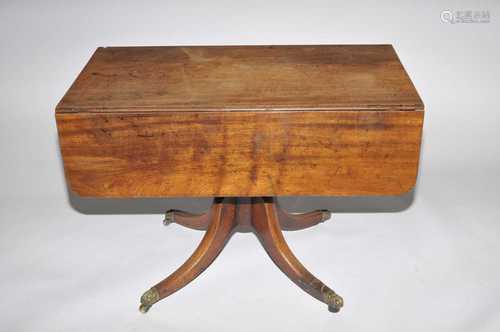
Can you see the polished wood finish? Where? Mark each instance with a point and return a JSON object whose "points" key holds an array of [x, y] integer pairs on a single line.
{"points": [[267, 228], [241, 153], [297, 221], [244, 124], [288, 221], [228, 215], [222, 225], [241, 121], [207, 78], [187, 219]]}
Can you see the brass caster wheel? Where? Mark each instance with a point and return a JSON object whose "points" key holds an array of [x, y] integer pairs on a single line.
{"points": [[148, 299], [325, 215], [169, 217], [334, 301], [144, 308], [333, 309]]}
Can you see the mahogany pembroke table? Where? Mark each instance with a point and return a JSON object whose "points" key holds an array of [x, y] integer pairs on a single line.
{"points": [[242, 124]]}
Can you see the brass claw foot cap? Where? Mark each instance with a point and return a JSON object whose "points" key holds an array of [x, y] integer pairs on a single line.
{"points": [[144, 308], [334, 301], [325, 215], [169, 217], [148, 299]]}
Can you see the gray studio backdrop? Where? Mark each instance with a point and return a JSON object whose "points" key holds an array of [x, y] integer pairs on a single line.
{"points": [[428, 259]]}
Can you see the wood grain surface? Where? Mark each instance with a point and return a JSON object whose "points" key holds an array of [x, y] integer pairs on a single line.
{"points": [[241, 153], [128, 79], [241, 121]]}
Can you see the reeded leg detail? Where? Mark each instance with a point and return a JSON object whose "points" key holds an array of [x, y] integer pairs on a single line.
{"points": [[268, 230], [222, 225], [297, 221]]}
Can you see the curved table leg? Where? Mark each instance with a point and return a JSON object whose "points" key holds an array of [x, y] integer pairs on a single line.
{"points": [[297, 221], [222, 225], [187, 219], [288, 221], [267, 228]]}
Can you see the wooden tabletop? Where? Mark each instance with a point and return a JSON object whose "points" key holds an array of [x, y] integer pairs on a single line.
{"points": [[206, 78], [241, 121]]}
